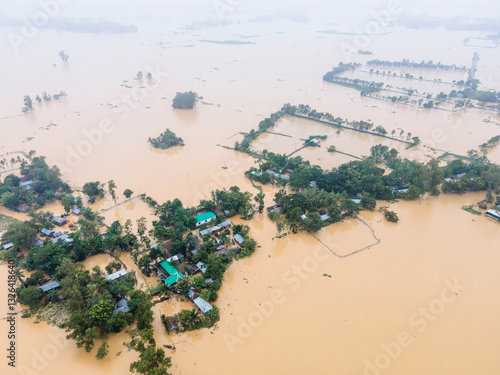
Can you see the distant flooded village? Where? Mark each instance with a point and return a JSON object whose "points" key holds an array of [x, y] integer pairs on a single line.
{"points": [[180, 183]]}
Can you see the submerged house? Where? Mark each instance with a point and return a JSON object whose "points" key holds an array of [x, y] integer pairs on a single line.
{"points": [[8, 246], [169, 272], [59, 220], [202, 266], [122, 306], [117, 276], [23, 207], [203, 305], [274, 208], [47, 232], [27, 184], [204, 218], [495, 214], [172, 327], [50, 286], [239, 239], [325, 217], [64, 239], [193, 294], [224, 225]]}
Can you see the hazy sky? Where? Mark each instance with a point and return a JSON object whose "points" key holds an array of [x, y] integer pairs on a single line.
{"points": [[115, 9]]}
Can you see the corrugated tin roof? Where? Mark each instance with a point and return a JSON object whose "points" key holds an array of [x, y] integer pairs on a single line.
{"points": [[47, 232], [50, 286], [493, 213], [203, 305], [202, 266], [238, 238], [116, 275]]}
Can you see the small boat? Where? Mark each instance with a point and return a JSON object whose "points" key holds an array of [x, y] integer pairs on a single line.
{"points": [[172, 347]]}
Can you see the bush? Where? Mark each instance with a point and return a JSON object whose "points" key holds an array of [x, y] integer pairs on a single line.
{"points": [[391, 216], [184, 100], [30, 296]]}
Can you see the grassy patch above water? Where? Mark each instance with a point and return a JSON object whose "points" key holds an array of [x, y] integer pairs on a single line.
{"points": [[471, 210], [5, 221]]}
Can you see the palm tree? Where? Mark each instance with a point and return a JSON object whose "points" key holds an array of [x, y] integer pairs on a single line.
{"points": [[192, 319], [19, 273], [166, 292]]}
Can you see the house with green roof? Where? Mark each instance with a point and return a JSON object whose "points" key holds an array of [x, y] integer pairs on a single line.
{"points": [[173, 279], [204, 218], [168, 269], [172, 276]]}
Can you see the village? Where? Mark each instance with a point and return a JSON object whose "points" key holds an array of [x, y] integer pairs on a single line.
{"points": [[173, 270]]}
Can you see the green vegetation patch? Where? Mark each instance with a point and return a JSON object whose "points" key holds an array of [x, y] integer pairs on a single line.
{"points": [[166, 140]]}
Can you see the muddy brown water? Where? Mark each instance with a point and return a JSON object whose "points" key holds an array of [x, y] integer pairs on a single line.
{"points": [[276, 318]]}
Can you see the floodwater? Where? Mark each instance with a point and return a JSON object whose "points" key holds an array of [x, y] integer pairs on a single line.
{"points": [[294, 307], [338, 314]]}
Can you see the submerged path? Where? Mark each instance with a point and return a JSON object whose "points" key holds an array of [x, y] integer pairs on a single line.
{"points": [[377, 241]]}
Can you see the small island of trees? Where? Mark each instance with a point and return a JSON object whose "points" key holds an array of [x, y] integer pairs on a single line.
{"points": [[166, 140], [186, 100]]}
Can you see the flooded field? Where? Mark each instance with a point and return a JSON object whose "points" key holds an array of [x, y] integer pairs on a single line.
{"points": [[294, 300], [422, 301], [290, 133]]}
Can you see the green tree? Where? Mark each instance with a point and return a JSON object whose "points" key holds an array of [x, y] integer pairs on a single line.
{"points": [[280, 221], [101, 312], [312, 222], [489, 195], [190, 319], [349, 207], [112, 190], [103, 350], [259, 199], [92, 189], [368, 202], [10, 200], [184, 100], [128, 193], [66, 203], [152, 361], [391, 216], [166, 140], [21, 234], [28, 102], [183, 286], [141, 227], [30, 296]]}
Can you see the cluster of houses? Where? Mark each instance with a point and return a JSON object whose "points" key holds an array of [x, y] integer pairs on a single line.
{"points": [[455, 177], [121, 305], [170, 275], [273, 172], [56, 237]]}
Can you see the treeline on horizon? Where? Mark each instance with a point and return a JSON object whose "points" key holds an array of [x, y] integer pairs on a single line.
{"points": [[89, 25]]}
